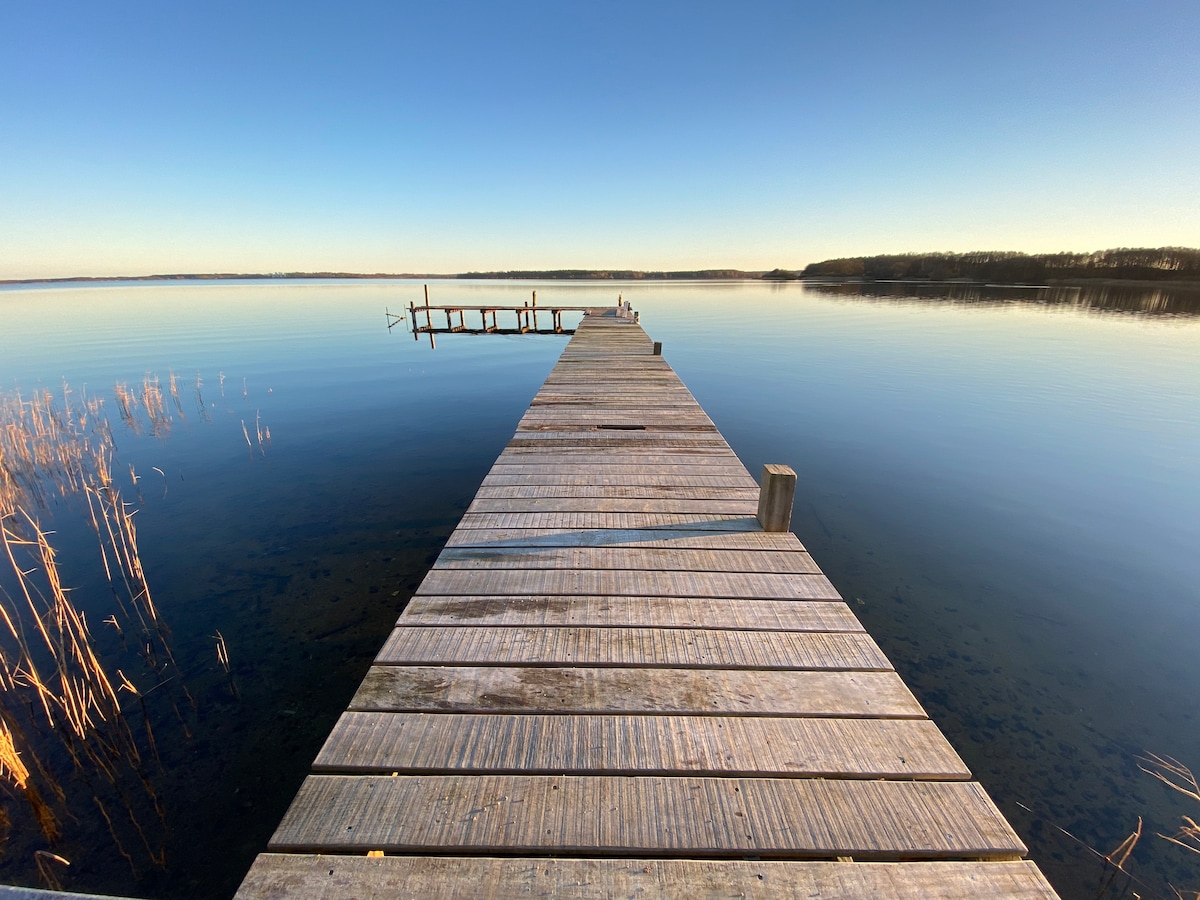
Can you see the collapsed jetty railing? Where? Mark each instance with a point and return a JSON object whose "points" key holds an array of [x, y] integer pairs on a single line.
{"points": [[526, 318]]}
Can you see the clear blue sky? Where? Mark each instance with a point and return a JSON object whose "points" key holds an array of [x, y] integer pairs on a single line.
{"points": [[160, 137]]}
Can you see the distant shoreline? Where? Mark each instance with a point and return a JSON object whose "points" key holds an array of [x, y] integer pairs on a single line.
{"points": [[578, 275], [515, 275]]}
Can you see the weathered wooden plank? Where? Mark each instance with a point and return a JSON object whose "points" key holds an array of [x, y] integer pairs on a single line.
{"points": [[599, 437], [663, 398], [543, 475], [595, 379], [648, 538], [578, 417], [612, 504], [634, 417], [616, 491], [792, 561], [584, 460], [584, 689], [324, 877], [380, 743], [684, 816], [641, 385], [614, 612], [566, 454], [616, 442], [759, 585], [611, 521], [665, 647]]}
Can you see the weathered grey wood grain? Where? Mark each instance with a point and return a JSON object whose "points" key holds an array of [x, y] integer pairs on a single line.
{"points": [[681, 815], [654, 438], [614, 504], [795, 561], [646, 538], [591, 459], [691, 494], [380, 743], [275, 876], [544, 475], [615, 583], [612, 521], [647, 647], [616, 612], [637, 416], [582, 689]]}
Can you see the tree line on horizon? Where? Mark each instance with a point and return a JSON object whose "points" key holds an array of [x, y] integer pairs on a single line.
{"points": [[1142, 264]]}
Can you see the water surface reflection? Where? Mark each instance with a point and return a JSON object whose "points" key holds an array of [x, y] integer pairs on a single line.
{"points": [[1002, 482]]}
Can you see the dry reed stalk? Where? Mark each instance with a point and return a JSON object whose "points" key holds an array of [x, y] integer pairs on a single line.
{"points": [[1120, 855], [15, 770], [127, 406], [113, 833], [222, 652], [83, 686], [156, 411], [78, 695], [46, 449], [45, 861], [223, 659], [175, 394], [43, 449], [11, 767], [1178, 777]]}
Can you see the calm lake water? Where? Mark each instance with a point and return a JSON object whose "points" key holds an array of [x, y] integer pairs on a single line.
{"points": [[1003, 483]]}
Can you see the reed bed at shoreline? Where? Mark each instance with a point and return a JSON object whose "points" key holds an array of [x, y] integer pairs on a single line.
{"points": [[61, 696]]}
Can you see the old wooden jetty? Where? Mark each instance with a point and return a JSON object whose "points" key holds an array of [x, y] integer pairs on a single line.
{"points": [[526, 321], [614, 681]]}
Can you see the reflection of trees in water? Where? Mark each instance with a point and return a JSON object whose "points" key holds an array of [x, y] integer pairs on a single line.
{"points": [[1101, 298]]}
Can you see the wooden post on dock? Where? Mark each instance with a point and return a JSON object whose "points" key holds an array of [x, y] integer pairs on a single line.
{"points": [[658, 348], [775, 494]]}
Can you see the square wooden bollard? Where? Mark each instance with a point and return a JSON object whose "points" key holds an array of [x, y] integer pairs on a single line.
{"points": [[776, 491]]}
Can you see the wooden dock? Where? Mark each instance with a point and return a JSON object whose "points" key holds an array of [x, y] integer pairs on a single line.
{"points": [[526, 318], [614, 682]]}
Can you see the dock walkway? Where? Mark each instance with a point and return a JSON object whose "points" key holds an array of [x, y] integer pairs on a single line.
{"points": [[613, 681]]}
